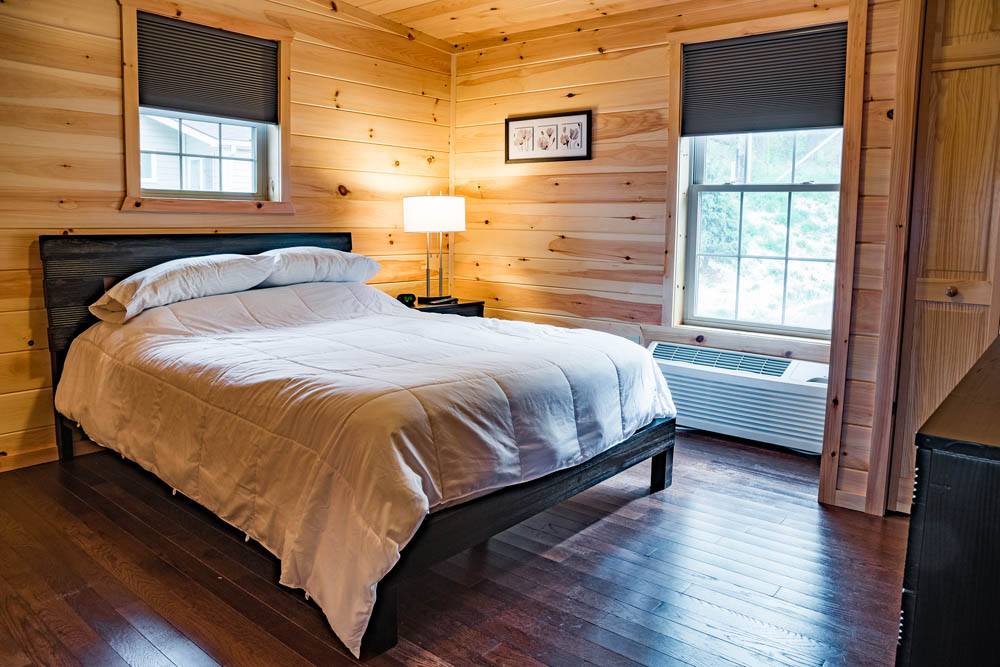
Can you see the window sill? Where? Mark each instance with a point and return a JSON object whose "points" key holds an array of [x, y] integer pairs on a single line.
{"points": [[183, 205], [774, 345]]}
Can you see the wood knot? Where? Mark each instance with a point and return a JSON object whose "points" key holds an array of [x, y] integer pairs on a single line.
{"points": [[890, 113], [342, 189]]}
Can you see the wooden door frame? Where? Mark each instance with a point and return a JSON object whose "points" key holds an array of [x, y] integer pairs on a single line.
{"points": [[843, 296], [896, 273]]}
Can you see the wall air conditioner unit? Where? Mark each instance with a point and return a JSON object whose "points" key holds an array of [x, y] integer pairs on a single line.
{"points": [[768, 399]]}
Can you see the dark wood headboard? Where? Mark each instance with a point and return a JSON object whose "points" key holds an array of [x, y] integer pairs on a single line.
{"points": [[77, 270]]}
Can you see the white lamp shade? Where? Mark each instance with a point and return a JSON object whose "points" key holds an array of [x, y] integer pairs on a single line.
{"points": [[434, 214]]}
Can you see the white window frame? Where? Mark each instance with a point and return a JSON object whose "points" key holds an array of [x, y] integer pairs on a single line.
{"points": [[694, 190], [259, 159]]}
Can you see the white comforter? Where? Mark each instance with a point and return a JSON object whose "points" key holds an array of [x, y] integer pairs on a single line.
{"points": [[327, 419]]}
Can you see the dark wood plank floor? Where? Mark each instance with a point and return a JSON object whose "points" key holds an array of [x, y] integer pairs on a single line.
{"points": [[735, 564]]}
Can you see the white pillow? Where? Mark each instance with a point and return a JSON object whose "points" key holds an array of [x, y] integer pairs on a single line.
{"points": [[180, 280], [307, 264]]}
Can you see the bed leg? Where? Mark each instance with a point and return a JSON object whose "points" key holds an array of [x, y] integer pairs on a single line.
{"points": [[381, 633], [64, 438], [663, 470]]}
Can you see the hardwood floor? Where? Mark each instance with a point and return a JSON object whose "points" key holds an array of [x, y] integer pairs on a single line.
{"points": [[735, 564]]}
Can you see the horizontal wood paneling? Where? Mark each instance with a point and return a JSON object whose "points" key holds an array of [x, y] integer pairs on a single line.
{"points": [[324, 91], [588, 70], [566, 187], [628, 217], [623, 329], [23, 330], [592, 275], [370, 121], [635, 248], [337, 64], [29, 369], [859, 399], [560, 301], [628, 95], [577, 215]]}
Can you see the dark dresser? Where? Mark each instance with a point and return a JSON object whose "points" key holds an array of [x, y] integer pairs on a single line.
{"points": [[951, 584]]}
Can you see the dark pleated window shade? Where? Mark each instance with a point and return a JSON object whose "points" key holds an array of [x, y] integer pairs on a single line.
{"points": [[777, 81], [189, 67]]}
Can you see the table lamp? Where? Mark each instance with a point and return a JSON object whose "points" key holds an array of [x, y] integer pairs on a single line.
{"points": [[434, 214]]}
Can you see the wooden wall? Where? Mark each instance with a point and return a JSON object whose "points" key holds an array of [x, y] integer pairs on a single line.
{"points": [[370, 124], [582, 243]]}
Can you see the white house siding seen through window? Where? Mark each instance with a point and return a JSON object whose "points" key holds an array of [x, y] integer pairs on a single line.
{"points": [[762, 230], [183, 154]]}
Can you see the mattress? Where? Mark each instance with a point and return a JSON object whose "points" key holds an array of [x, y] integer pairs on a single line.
{"points": [[326, 420]]}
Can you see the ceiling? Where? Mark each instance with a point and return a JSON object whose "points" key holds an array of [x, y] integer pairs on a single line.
{"points": [[465, 21]]}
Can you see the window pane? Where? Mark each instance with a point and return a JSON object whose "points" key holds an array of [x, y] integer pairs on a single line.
{"points": [[770, 157], [238, 176], [764, 223], [762, 284], [813, 231], [158, 133], [817, 156], [201, 174], [809, 303], [159, 172], [716, 287], [201, 138], [237, 141], [719, 222], [725, 159]]}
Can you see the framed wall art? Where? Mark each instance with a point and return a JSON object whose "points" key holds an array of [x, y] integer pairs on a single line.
{"points": [[548, 137]]}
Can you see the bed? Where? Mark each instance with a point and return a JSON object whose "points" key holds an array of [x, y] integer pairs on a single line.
{"points": [[334, 425]]}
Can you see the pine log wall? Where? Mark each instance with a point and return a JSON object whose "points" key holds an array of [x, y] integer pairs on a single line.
{"points": [[582, 243], [370, 124]]}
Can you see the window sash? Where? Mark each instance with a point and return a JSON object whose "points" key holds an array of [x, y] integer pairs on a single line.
{"points": [[259, 159], [692, 256]]}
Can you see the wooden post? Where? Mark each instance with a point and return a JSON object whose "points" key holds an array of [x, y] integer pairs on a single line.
{"points": [[662, 474], [381, 633]]}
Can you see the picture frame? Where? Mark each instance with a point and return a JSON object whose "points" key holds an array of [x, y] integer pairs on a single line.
{"points": [[550, 137]]}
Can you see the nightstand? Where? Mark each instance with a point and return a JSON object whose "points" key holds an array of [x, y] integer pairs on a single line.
{"points": [[464, 308]]}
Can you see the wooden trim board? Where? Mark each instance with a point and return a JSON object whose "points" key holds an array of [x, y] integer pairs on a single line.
{"points": [[904, 130], [850, 182]]}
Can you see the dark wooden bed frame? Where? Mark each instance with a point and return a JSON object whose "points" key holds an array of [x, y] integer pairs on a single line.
{"points": [[77, 270]]}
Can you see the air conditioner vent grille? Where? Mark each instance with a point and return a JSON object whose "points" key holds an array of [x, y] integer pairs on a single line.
{"points": [[733, 361]]}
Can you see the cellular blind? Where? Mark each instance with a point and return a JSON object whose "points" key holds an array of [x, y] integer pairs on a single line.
{"points": [[189, 67], [778, 81]]}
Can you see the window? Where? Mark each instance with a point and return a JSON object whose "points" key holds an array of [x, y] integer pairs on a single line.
{"points": [[762, 230], [206, 112], [186, 155]]}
